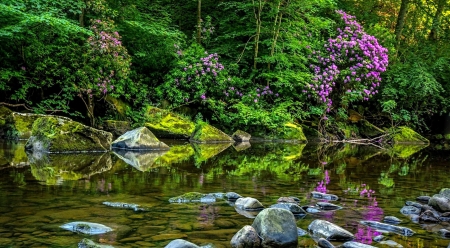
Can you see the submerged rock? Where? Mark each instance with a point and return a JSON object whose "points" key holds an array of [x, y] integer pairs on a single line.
{"points": [[289, 199], [352, 244], [232, 196], [181, 243], [323, 243], [423, 198], [293, 207], [87, 243], [193, 197], [166, 124], [329, 231], [319, 195], [301, 232], [445, 233], [86, 227], [387, 227], [241, 136], [392, 220], [445, 192], [205, 133], [328, 206], [124, 205], [139, 139], [410, 210], [248, 204], [62, 135], [277, 228], [246, 237]]}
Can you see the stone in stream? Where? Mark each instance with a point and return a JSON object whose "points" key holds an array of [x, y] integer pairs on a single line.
{"points": [[193, 197], [294, 208], [414, 204], [429, 216], [232, 196], [288, 199], [352, 244], [329, 231], [410, 210], [86, 227], [246, 237], [241, 136], [87, 243], [387, 227], [181, 243], [391, 243], [328, 206], [378, 238], [445, 192], [423, 198], [445, 233], [440, 203], [248, 204], [323, 243], [139, 139], [277, 228], [123, 205], [311, 209], [319, 195], [392, 220], [301, 232]]}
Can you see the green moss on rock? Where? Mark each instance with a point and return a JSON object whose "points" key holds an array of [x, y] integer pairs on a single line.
{"points": [[120, 107], [19, 125], [117, 128], [205, 133], [405, 135], [367, 129], [165, 124], [59, 135]]}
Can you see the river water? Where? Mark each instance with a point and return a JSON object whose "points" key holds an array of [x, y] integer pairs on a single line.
{"points": [[39, 193]]}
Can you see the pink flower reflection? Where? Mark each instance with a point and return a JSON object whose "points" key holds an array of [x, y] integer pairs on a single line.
{"points": [[365, 234]]}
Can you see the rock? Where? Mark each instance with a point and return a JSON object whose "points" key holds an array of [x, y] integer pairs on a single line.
{"points": [[205, 133], [241, 136], [414, 204], [329, 231], [277, 228], [246, 237], [428, 216], [288, 132], [445, 233], [328, 206], [311, 209], [4, 113], [232, 196], [117, 128], [20, 125], [142, 161], [139, 139], [410, 210], [387, 227], [86, 227], [241, 146], [405, 135], [87, 243], [123, 205], [352, 244], [181, 243], [319, 195], [440, 203], [378, 238], [392, 220], [62, 135], [293, 207], [166, 124], [193, 197], [248, 214], [289, 199], [391, 243], [248, 204], [424, 198], [445, 192], [323, 243], [118, 107], [301, 232]]}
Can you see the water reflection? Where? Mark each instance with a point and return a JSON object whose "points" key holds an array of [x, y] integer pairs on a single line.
{"points": [[141, 160]]}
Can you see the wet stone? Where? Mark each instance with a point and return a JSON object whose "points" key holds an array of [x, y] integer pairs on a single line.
{"points": [[444, 233], [391, 243], [410, 210], [414, 204], [423, 198], [379, 238], [391, 220], [323, 243], [131, 239]]}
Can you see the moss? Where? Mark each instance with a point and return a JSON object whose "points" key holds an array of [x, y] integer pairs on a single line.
{"points": [[405, 150], [119, 106], [292, 131], [204, 152], [205, 133], [405, 135], [177, 154], [165, 124], [64, 135], [367, 129], [447, 136], [293, 152], [19, 126]]}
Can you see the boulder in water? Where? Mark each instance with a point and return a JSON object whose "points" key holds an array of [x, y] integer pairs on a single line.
{"points": [[440, 203], [329, 231], [139, 139], [86, 227], [205, 133], [319, 195], [246, 237], [241, 136], [166, 124], [277, 228], [387, 227], [181, 243], [293, 207], [248, 204]]}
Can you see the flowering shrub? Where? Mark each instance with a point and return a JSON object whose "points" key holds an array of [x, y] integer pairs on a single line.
{"points": [[349, 68]]}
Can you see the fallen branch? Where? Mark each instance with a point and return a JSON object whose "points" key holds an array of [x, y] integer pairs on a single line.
{"points": [[15, 105]]}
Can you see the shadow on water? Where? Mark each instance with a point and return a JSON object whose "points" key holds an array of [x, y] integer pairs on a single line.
{"points": [[40, 192]]}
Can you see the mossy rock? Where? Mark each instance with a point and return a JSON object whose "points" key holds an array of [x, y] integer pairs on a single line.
{"points": [[4, 113], [19, 125], [165, 124], [367, 129], [241, 136], [205, 133], [61, 135], [405, 135], [139, 139], [120, 107], [117, 128]]}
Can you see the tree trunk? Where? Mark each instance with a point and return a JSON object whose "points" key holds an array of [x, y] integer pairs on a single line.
{"points": [[401, 21], [258, 30], [436, 20], [276, 30], [199, 21], [81, 17], [90, 108]]}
